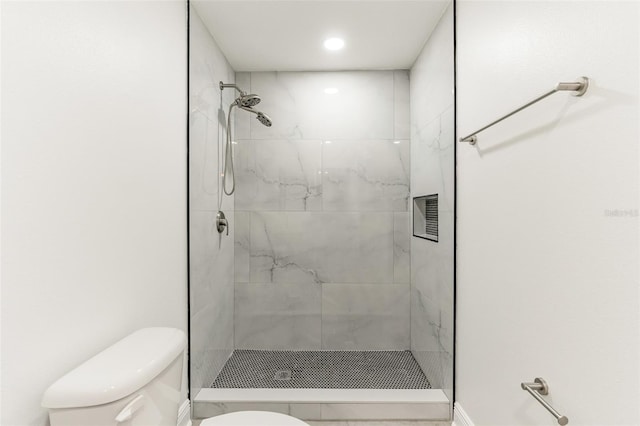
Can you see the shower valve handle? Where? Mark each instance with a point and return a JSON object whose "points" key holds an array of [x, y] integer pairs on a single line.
{"points": [[221, 223]]}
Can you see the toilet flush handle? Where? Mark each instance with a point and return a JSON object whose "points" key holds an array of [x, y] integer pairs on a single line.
{"points": [[129, 410]]}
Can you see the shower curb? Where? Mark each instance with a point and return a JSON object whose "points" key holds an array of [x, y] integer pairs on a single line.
{"points": [[328, 404]]}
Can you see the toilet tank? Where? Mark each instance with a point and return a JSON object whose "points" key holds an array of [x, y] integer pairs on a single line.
{"points": [[135, 382]]}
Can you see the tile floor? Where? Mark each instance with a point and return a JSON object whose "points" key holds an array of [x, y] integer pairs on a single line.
{"points": [[366, 423], [378, 423], [322, 370]]}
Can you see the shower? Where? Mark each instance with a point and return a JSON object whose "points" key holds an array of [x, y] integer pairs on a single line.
{"points": [[245, 102]]}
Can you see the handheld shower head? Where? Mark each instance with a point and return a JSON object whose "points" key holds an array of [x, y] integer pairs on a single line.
{"points": [[246, 102], [262, 117]]}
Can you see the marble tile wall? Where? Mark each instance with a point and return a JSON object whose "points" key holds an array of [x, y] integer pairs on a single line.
{"points": [[322, 245], [211, 256], [433, 171]]}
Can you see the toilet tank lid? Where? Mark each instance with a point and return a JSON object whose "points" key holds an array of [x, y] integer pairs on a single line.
{"points": [[119, 370]]}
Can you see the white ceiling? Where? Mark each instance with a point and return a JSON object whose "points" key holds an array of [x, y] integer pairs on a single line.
{"points": [[273, 35]]}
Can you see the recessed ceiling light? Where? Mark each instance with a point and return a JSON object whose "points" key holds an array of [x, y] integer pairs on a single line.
{"points": [[330, 90], [327, 141], [334, 43], [396, 142]]}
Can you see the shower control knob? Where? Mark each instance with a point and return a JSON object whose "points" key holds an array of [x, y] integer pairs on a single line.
{"points": [[221, 223]]}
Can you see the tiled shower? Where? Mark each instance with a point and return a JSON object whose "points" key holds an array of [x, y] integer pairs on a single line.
{"points": [[322, 222], [320, 257]]}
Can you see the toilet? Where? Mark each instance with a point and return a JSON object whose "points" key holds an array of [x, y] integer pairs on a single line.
{"points": [[136, 382], [253, 418]]}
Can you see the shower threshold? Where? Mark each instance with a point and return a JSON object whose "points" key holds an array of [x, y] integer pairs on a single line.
{"points": [[324, 385]]}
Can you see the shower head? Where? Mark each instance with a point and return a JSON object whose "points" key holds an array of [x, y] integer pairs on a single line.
{"points": [[262, 117], [244, 100], [250, 100]]}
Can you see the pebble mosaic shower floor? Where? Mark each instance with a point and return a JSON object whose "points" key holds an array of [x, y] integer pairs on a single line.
{"points": [[322, 369]]}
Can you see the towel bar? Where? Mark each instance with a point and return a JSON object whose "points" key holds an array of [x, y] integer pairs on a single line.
{"points": [[538, 387], [579, 87]]}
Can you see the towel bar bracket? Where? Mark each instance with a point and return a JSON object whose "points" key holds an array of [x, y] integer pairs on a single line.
{"points": [[538, 385]]}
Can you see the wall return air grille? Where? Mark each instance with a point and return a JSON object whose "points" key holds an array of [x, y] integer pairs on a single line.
{"points": [[425, 217]]}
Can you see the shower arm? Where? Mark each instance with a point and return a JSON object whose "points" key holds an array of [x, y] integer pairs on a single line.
{"points": [[229, 85]]}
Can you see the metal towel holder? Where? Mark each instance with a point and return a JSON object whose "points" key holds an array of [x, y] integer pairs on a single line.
{"points": [[538, 387], [578, 87]]}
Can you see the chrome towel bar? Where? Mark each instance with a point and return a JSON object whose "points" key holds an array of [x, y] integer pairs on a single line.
{"points": [[579, 87], [538, 387]]}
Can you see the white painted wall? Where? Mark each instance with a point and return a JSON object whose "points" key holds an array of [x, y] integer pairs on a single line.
{"points": [[547, 281], [93, 185]]}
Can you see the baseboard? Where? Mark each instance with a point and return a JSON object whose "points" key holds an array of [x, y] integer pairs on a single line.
{"points": [[460, 417], [184, 414]]}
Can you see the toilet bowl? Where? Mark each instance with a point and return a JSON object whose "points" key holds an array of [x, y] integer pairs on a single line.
{"points": [[136, 382]]}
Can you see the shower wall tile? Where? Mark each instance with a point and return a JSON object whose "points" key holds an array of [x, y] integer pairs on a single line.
{"points": [[279, 175], [432, 75], [432, 303], [356, 248], [433, 171], [203, 161], [434, 349], [211, 255], [208, 106], [326, 191], [401, 114], [292, 247], [207, 133], [365, 175], [433, 145], [300, 108], [207, 66], [211, 279], [212, 336], [242, 119], [365, 317], [401, 247], [285, 247], [242, 248], [432, 268], [436, 332], [278, 316]]}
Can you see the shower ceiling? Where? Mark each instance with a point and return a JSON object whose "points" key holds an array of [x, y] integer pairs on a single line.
{"points": [[267, 35]]}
